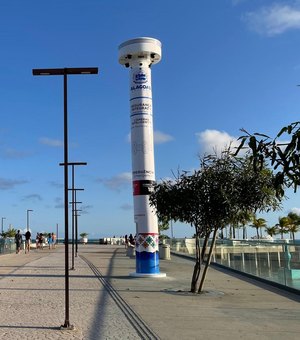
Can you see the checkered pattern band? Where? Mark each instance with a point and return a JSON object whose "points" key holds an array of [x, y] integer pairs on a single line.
{"points": [[147, 242]]}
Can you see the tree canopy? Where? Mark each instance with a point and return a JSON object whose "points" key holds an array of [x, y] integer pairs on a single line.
{"points": [[283, 156], [214, 195]]}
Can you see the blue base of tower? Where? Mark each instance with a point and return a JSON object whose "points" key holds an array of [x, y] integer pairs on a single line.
{"points": [[147, 263]]}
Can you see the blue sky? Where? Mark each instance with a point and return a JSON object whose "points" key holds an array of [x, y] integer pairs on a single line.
{"points": [[226, 65]]}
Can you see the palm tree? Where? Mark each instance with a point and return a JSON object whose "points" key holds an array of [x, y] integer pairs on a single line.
{"points": [[244, 218], [283, 225], [9, 233], [272, 231], [294, 226], [258, 223], [240, 220]]}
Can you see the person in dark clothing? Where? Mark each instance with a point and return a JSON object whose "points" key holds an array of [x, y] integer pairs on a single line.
{"points": [[18, 240], [41, 241], [27, 241], [131, 239]]}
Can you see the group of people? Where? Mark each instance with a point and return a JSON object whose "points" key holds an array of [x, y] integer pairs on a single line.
{"points": [[40, 240], [18, 240], [129, 241]]}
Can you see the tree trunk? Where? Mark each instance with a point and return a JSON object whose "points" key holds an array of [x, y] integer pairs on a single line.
{"points": [[257, 233], [203, 251], [197, 266], [222, 235], [208, 260], [244, 233]]}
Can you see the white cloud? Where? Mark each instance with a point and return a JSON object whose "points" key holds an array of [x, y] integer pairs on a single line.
{"points": [[274, 19], [117, 182], [51, 142], [296, 211], [161, 137], [214, 141]]}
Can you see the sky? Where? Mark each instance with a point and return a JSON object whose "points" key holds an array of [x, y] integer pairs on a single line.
{"points": [[226, 65]]}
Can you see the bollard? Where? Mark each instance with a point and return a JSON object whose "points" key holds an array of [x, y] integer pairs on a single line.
{"points": [[130, 252], [164, 252]]}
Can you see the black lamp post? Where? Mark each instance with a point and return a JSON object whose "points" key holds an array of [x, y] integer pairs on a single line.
{"points": [[74, 223], [2, 218], [76, 228], [65, 72], [28, 210], [73, 164]]}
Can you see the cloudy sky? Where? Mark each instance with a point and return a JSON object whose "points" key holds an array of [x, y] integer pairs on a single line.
{"points": [[227, 65]]}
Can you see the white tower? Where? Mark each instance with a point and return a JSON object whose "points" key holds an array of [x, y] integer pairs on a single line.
{"points": [[139, 55]]}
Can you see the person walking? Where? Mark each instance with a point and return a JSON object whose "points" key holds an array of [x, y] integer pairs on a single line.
{"points": [[53, 240], [27, 241], [131, 239], [18, 240], [49, 239], [41, 241], [37, 242]]}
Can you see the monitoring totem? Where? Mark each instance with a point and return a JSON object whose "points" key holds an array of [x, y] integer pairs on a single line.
{"points": [[139, 55]]}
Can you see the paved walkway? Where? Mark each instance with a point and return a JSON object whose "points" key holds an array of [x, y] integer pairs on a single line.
{"points": [[106, 303]]}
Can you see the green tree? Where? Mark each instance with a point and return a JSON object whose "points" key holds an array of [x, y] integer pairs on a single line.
{"points": [[9, 233], [258, 224], [242, 218], [272, 231], [294, 226], [211, 197], [83, 235], [163, 225], [283, 156], [283, 225]]}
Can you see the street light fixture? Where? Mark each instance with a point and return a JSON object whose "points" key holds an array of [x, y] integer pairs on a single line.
{"points": [[3, 218], [65, 72], [28, 210]]}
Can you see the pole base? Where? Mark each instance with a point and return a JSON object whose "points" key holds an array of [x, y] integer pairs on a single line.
{"points": [[67, 327], [158, 275]]}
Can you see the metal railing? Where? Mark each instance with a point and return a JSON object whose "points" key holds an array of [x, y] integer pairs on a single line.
{"points": [[277, 261], [7, 245]]}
